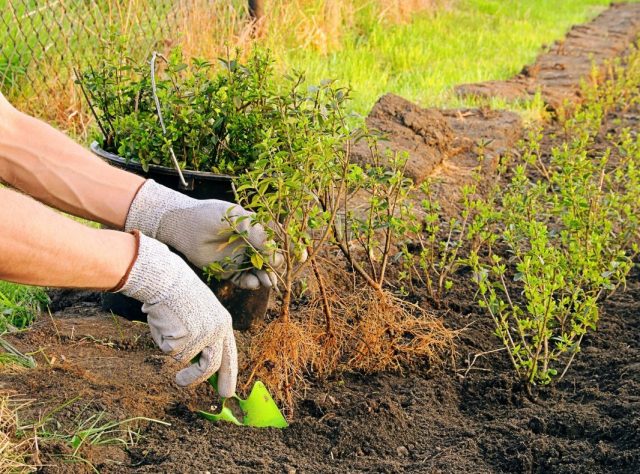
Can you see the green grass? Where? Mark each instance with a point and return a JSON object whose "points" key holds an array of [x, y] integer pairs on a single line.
{"points": [[422, 61], [19, 305], [20, 46]]}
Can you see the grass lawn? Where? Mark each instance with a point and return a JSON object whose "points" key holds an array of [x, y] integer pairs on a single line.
{"points": [[19, 305], [420, 55], [423, 60]]}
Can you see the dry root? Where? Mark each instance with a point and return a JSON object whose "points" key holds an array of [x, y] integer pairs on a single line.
{"points": [[14, 454], [279, 357], [390, 334], [367, 331]]}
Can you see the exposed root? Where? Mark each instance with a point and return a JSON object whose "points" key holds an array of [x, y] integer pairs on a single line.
{"points": [[279, 357], [390, 334], [370, 331]]}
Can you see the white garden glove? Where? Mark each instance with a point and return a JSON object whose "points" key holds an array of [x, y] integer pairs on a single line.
{"points": [[199, 230], [185, 318]]}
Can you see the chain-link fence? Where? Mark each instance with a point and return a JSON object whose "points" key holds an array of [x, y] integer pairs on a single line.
{"points": [[39, 37], [42, 42]]}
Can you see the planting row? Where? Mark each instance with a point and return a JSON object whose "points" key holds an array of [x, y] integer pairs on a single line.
{"points": [[367, 251]]}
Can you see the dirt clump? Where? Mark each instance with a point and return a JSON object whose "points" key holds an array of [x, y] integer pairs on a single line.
{"points": [[423, 134], [60, 299], [448, 144]]}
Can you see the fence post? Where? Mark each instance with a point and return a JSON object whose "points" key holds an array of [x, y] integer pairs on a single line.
{"points": [[256, 9]]}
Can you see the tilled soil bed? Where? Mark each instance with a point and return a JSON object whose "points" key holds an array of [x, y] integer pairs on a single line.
{"points": [[469, 415]]}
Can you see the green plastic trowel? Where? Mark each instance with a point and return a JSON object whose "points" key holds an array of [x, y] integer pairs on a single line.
{"points": [[259, 410]]}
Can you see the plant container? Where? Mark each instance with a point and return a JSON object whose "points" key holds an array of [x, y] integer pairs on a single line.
{"points": [[246, 306]]}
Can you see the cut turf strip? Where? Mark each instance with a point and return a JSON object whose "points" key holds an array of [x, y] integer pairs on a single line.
{"points": [[557, 74], [445, 143], [450, 144]]}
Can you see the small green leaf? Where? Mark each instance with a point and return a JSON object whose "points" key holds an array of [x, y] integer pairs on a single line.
{"points": [[257, 261]]}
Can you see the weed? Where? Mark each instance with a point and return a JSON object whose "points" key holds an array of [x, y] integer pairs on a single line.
{"points": [[19, 305], [12, 356], [83, 431]]}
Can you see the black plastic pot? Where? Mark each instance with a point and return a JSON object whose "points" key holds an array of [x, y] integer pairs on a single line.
{"points": [[246, 306]]}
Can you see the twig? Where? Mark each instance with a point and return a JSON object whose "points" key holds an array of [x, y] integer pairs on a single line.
{"points": [[475, 357], [164, 129], [325, 300], [93, 111], [575, 351]]}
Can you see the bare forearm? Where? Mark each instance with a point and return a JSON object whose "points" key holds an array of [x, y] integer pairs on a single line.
{"points": [[41, 247], [46, 164]]}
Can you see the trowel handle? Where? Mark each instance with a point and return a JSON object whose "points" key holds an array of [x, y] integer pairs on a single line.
{"points": [[213, 381]]}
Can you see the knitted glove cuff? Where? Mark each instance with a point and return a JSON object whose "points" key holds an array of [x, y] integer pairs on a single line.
{"points": [[154, 274], [150, 204], [125, 277]]}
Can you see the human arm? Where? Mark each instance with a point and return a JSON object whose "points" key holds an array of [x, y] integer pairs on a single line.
{"points": [[44, 163], [41, 247]]}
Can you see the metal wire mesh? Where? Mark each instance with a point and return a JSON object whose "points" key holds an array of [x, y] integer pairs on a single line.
{"points": [[41, 42]]}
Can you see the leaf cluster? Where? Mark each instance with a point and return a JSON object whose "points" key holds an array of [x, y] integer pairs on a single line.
{"points": [[214, 113], [562, 241]]}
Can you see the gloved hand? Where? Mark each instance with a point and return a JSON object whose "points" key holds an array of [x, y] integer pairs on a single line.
{"points": [[199, 230], [185, 318]]}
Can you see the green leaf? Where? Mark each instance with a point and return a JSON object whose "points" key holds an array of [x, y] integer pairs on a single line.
{"points": [[257, 260]]}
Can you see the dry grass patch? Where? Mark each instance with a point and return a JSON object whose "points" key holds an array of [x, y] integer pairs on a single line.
{"points": [[206, 29], [14, 453]]}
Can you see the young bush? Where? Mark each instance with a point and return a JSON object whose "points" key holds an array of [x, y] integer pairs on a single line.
{"points": [[301, 157], [433, 253], [389, 332], [213, 115], [566, 241], [567, 251], [304, 189]]}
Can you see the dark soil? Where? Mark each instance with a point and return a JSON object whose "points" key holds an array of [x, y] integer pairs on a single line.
{"points": [[469, 415]]}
